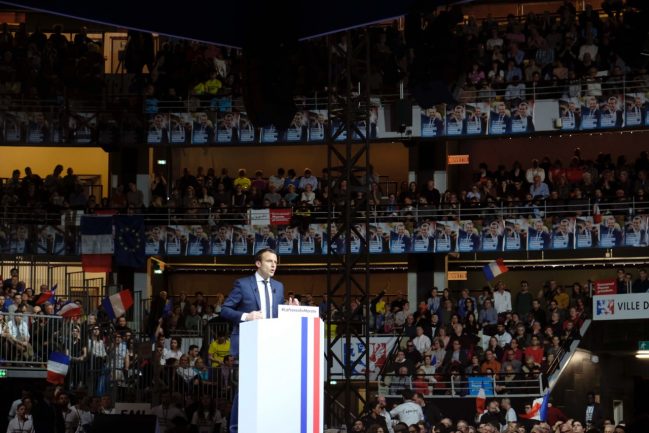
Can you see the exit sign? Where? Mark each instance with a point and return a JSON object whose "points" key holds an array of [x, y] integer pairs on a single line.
{"points": [[456, 275], [3, 373], [458, 159], [643, 345]]}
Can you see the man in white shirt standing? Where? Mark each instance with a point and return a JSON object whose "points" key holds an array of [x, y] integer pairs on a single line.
{"points": [[408, 412], [510, 413], [502, 299]]}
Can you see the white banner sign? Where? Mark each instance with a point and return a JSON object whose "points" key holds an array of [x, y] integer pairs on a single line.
{"points": [[621, 307], [380, 348], [259, 217]]}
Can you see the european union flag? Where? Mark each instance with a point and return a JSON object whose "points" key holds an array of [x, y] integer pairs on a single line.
{"points": [[129, 241]]}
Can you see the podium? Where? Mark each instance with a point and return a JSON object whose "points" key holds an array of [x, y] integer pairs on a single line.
{"points": [[281, 375]]}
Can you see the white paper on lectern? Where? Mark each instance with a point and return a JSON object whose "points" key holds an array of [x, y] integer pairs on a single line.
{"points": [[271, 385]]}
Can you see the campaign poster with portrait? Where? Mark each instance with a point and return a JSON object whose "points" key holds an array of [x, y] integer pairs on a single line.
{"points": [[493, 235], [313, 240], [477, 118], [269, 134], [246, 129], [635, 231], [612, 111], [432, 121], [155, 243], [338, 129], [50, 240], [264, 237], [635, 109], [446, 233], [19, 240], [357, 234], [522, 121], [500, 119], [176, 240], [456, 120], [82, 127], [585, 232], [563, 233], [288, 240], [108, 130], [610, 232], [317, 125], [298, 129], [198, 241], [38, 131], [132, 128], [336, 242], [423, 239], [570, 114], [379, 238], [227, 127], [468, 237], [515, 234], [538, 234], [590, 113], [400, 238], [358, 134], [158, 129], [242, 240], [180, 128], [221, 240], [374, 118], [15, 123], [203, 127]]}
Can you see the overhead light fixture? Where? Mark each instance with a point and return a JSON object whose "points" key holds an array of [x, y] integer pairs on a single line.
{"points": [[642, 356], [162, 162]]}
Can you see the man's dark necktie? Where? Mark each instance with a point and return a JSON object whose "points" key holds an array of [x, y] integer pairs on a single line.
{"points": [[267, 289]]}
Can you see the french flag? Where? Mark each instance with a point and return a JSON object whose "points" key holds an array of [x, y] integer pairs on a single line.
{"points": [[495, 268], [118, 304], [539, 410], [57, 367], [97, 246], [47, 296], [70, 310], [480, 402], [311, 376]]}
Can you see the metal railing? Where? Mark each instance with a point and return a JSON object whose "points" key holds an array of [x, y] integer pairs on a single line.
{"points": [[137, 370], [463, 385], [26, 340]]}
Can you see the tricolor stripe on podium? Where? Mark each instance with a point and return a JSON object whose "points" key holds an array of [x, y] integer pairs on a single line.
{"points": [[310, 376]]}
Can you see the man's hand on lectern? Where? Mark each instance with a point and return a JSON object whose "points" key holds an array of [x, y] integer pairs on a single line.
{"points": [[293, 301], [254, 315]]}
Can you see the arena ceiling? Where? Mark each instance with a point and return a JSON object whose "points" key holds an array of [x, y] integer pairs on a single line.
{"points": [[229, 23]]}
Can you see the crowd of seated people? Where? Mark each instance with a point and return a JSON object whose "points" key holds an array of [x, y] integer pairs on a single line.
{"points": [[553, 47], [609, 183], [48, 67], [509, 338], [416, 414], [205, 190]]}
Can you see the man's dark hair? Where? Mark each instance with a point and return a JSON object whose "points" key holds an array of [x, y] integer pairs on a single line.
{"points": [[407, 394], [261, 252], [192, 347]]}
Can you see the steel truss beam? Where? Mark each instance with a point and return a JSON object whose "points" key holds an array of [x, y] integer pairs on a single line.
{"points": [[348, 161]]}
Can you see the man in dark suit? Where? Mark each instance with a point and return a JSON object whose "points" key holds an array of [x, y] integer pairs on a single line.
{"points": [[423, 240], [468, 239], [254, 297]]}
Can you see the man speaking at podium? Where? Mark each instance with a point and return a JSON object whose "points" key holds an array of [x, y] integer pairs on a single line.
{"points": [[253, 298]]}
